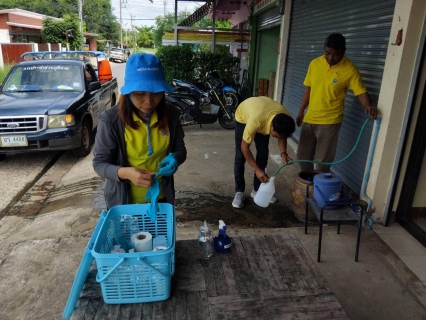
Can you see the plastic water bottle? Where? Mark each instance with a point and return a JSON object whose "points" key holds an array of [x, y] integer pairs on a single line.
{"points": [[265, 193], [205, 242]]}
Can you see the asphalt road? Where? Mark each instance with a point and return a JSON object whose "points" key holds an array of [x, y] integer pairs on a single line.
{"points": [[20, 172]]}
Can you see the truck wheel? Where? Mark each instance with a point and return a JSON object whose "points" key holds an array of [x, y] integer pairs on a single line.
{"points": [[86, 141], [2, 156]]}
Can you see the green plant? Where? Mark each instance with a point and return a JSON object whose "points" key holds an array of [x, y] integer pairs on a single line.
{"points": [[226, 65], [4, 71], [177, 61], [56, 31], [183, 63]]}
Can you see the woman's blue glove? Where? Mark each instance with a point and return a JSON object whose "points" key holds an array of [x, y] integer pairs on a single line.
{"points": [[153, 193], [168, 166]]}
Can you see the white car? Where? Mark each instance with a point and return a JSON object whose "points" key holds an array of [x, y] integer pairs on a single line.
{"points": [[117, 54]]}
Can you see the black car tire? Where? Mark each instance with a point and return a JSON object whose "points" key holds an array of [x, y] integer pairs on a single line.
{"points": [[2, 156], [86, 140]]}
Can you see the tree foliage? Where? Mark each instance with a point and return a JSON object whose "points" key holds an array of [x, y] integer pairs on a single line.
{"points": [[206, 22], [163, 24], [55, 31], [145, 37], [166, 24], [177, 61], [183, 63], [97, 14]]}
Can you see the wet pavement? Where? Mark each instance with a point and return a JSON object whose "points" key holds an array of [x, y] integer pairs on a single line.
{"points": [[43, 241], [193, 206]]}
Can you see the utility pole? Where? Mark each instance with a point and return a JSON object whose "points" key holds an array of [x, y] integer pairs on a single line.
{"points": [[80, 18], [134, 34], [165, 4], [121, 29]]}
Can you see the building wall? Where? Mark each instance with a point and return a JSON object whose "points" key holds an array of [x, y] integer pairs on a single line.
{"points": [[25, 20], [24, 35], [4, 36], [284, 43], [3, 21], [241, 15], [93, 45], [419, 198], [268, 42], [394, 95]]}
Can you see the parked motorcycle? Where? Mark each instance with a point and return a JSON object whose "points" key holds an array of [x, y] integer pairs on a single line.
{"points": [[213, 90], [191, 112]]}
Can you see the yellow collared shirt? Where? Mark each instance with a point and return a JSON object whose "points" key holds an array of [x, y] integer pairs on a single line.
{"points": [[137, 152], [328, 89], [257, 114]]}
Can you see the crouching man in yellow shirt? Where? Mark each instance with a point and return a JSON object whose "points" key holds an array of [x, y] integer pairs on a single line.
{"points": [[257, 119]]}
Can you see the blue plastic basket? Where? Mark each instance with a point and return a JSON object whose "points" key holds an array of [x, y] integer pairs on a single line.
{"points": [[139, 276]]}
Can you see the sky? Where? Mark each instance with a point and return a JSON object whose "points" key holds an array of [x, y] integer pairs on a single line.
{"points": [[144, 12]]}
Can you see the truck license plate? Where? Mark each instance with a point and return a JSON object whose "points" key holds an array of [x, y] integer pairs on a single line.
{"points": [[14, 141]]}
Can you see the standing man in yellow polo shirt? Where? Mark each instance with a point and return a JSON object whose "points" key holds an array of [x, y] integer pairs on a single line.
{"points": [[328, 78], [257, 119]]}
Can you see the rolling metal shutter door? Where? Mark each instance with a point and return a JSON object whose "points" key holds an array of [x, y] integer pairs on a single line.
{"points": [[269, 19], [366, 25]]}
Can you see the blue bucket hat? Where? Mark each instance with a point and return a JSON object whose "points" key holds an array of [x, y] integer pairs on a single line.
{"points": [[144, 72]]}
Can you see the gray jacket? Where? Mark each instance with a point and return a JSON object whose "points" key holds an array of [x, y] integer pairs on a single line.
{"points": [[110, 155]]}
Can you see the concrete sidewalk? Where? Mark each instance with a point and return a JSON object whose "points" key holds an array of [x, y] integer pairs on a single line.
{"points": [[40, 254]]}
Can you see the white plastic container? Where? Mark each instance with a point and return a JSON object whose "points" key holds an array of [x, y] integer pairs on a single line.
{"points": [[265, 193], [159, 241]]}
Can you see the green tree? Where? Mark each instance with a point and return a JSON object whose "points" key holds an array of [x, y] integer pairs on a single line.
{"points": [[164, 24], [177, 61], [145, 37], [55, 31], [97, 14], [206, 22]]}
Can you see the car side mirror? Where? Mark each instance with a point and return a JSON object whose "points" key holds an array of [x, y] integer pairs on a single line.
{"points": [[94, 85]]}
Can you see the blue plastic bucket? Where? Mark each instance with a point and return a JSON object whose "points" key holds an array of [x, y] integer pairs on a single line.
{"points": [[327, 188]]}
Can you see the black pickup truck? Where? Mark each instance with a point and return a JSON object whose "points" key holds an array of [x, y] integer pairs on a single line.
{"points": [[52, 102]]}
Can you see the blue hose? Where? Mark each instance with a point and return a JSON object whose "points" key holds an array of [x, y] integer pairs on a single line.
{"points": [[328, 163]]}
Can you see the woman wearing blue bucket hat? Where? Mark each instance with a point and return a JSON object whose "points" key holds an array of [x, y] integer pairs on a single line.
{"points": [[140, 140]]}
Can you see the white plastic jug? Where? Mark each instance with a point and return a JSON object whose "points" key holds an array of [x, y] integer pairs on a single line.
{"points": [[265, 193]]}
